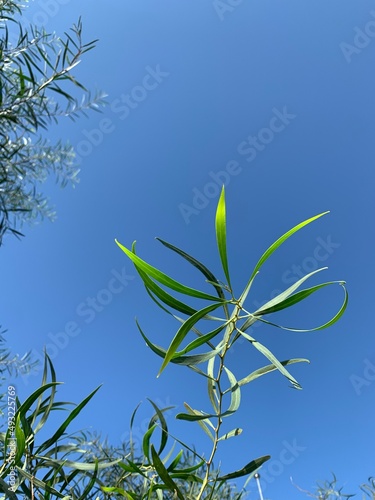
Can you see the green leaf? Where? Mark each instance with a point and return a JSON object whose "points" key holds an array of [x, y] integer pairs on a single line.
{"points": [[202, 340], [164, 428], [119, 491], [146, 441], [176, 461], [221, 234], [280, 301], [60, 431], [228, 435], [332, 321], [202, 424], [40, 484], [20, 439], [250, 467], [236, 392], [268, 354], [267, 369], [201, 267], [177, 359], [164, 296], [212, 384], [281, 240], [183, 331], [164, 474], [4, 487], [164, 279]]}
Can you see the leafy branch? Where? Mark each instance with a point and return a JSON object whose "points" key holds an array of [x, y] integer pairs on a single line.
{"points": [[221, 381]]}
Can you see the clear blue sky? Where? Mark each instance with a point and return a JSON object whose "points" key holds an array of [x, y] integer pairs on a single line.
{"points": [[280, 95]]}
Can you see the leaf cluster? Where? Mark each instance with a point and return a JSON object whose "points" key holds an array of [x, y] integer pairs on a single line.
{"points": [[224, 388], [37, 86]]}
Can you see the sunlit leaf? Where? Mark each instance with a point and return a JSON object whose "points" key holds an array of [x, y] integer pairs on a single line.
{"points": [[221, 233], [281, 240], [183, 331], [164, 474], [250, 467], [267, 369], [164, 279], [268, 354], [233, 433]]}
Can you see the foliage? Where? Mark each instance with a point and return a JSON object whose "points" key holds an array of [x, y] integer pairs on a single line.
{"points": [[53, 468], [35, 73], [78, 466], [224, 390], [329, 490]]}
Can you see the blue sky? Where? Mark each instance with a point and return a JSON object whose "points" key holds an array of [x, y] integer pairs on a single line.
{"points": [[279, 97]]}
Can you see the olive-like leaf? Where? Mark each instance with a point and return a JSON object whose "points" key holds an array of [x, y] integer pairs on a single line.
{"points": [[233, 433], [60, 431], [236, 392], [164, 279], [250, 467], [221, 234], [183, 331], [281, 240], [267, 369], [331, 322], [164, 474], [271, 357], [280, 301]]}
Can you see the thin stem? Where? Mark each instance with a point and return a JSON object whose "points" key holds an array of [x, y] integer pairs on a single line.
{"points": [[220, 393]]}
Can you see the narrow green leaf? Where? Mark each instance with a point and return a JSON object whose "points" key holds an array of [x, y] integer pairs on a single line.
{"points": [[176, 461], [91, 483], [281, 240], [83, 466], [201, 267], [20, 439], [40, 484], [183, 331], [196, 417], [212, 384], [25, 407], [4, 487], [267, 369], [146, 441], [164, 296], [332, 321], [177, 359], [294, 299], [277, 303], [203, 424], [221, 234], [163, 423], [250, 467], [164, 474], [228, 435], [60, 431], [202, 340], [164, 279], [268, 354], [235, 390], [119, 491]]}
